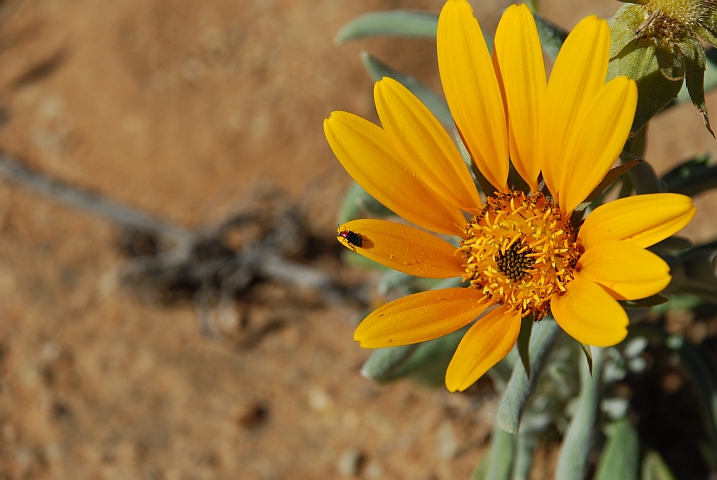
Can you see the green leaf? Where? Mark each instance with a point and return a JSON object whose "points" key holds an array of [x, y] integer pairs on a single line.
{"points": [[623, 28], [648, 302], [636, 145], [626, 187], [429, 362], [433, 102], [516, 180], [525, 450], [645, 179], [588, 355], [502, 453], [355, 260], [424, 363], [520, 386], [358, 203], [671, 245], [577, 443], [621, 455], [481, 470], [483, 183], [611, 176], [526, 327], [707, 29], [383, 362], [500, 373], [399, 23], [695, 59], [645, 64], [533, 5], [655, 468], [692, 166], [699, 272], [393, 279], [692, 176], [710, 78], [552, 36]]}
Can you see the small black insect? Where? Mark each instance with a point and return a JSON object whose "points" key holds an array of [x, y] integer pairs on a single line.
{"points": [[354, 239]]}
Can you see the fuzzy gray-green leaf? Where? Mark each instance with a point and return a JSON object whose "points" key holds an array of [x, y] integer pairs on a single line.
{"points": [[377, 69], [393, 279], [525, 451], [621, 454], [693, 176], [399, 23], [481, 470], [578, 440], [700, 271], [655, 468], [587, 351], [672, 245], [649, 302], [427, 362], [645, 179], [383, 362], [552, 36], [502, 455], [612, 175], [358, 203], [520, 386], [526, 327]]}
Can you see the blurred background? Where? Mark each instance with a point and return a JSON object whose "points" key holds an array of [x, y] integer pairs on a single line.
{"points": [[195, 113]]}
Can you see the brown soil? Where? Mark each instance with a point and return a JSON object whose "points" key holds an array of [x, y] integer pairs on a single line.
{"points": [[180, 108]]}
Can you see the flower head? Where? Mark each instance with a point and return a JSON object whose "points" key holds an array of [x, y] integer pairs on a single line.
{"points": [[656, 43], [519, 251]]}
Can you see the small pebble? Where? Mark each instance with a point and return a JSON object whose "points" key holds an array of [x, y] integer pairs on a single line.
{"points": [[253, 416], [350, 462]]}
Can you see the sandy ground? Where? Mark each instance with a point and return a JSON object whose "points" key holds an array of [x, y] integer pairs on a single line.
{"points": [[180, 108]]}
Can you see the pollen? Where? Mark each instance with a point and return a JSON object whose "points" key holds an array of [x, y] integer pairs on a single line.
{"points": [[520, 251]]}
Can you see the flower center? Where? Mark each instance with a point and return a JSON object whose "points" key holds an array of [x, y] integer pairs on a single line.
{"points": [[515, 262], [520, 251]]}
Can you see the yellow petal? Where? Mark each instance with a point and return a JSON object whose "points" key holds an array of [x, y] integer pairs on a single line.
{"points": [[484, 344], [627, 272], [420, 317], [579, 72], [641, 220], [520, 57], [596, 139], [404, 248], [472, 90], [367, 154], [589, 314], [424, 144]]}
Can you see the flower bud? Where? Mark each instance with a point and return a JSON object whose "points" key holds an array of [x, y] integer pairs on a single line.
{"points": [[655, 42]]}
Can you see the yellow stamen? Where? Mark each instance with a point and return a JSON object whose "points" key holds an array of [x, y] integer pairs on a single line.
{"points": [[520, 251]]}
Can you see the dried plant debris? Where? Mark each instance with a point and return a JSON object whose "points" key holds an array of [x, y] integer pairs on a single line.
{"points": [[266, 242]]}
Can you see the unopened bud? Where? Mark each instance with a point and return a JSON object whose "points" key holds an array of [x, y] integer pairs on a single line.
{"points": [[655, 42]]}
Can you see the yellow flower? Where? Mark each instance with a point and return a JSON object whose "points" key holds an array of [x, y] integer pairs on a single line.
{"points": [[519, 252]]}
